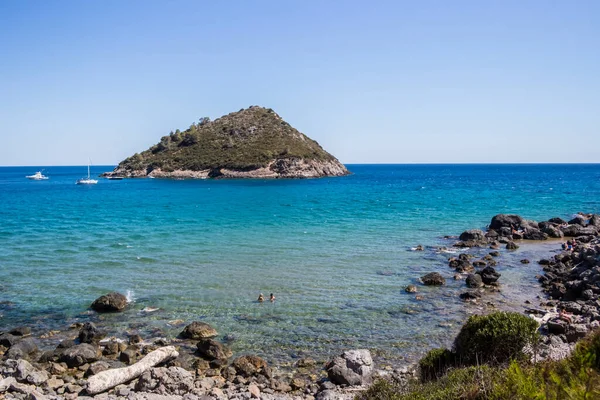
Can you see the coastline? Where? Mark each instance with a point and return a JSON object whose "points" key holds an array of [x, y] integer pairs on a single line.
{"points": [[307, 374]]}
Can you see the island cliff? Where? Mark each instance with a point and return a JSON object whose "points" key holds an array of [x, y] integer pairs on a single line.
{"points": [[251, 143]]}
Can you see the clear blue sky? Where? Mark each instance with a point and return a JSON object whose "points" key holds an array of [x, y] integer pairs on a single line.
{"points": [[372, 81]]}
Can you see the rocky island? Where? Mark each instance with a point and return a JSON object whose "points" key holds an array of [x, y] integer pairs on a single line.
{"points": [[251, 143]]}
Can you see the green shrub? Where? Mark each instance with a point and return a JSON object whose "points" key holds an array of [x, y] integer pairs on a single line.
{"points": [[435, 364], [495, 338]]}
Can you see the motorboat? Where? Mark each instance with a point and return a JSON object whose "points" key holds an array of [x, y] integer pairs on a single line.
{"points": [[114, 178], [88, 180], [38, 176]]}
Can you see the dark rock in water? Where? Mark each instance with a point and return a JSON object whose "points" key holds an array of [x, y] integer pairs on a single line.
{"points": [[479, 263], [249, 365], [595, 220], [90, 334], [489, 275], [517, 236], [544, 262], [135, 339], [492, 263], [111, 302], [511, 246], [354, 367], [433, 279], [213, 350], [7, 340], [506, 221], [470, 296], [198, 330], [524, 261], [578, 230], [22, 349], [474, 281], [21, 331], [166, 381], [578, 220], [80, 354], [491, 234], [495, 253], [534, 234], [553, 232], [472, 235], [411, 289]]}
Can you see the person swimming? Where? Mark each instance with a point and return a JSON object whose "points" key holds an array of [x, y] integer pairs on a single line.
{"points": [[261, 298], [272, 298]]}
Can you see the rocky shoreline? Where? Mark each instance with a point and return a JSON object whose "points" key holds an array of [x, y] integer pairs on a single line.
{"points": [[87, 363], [276, 169]]}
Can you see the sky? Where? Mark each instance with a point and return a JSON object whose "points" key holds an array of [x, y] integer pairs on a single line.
{"points": [[371, 81]]}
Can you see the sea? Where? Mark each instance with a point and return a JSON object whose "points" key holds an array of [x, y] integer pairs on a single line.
{"points": [[337, 253]]}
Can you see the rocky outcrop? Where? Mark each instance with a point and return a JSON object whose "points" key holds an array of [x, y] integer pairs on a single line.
{"points": [[353, 367], [111, 302]]}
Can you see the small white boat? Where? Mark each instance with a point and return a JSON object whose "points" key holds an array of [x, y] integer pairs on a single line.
{"points": [[38, 176], [114, 178], [88, 180]]}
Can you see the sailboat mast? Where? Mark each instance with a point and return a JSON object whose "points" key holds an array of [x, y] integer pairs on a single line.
{"points": [[88, 171]]}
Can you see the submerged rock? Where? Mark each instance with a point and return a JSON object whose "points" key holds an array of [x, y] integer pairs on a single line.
{"points": [[489, 275], [474, 281], [249, 365], [411, 289], [111, 302], [512, 246], [213, 350], [433, 279], [198, 330]]}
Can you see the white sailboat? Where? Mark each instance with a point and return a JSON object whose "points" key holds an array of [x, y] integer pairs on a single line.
{"points": [[88, 180], [38, 176]]}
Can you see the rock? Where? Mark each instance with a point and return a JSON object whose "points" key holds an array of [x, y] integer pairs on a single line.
{"points": [[249, 365], [553, 232], [595, 220], [474, 281], [20, 331], [495, 253], [433, 279], [22, 349], [7, 340], [525, 261], [511, 246], [489, 275], [557, 220], [6, 383], [576, 332], [534, 234], [411, 289], [353, 367], [198, 330], [135, 339], [111, 348], [506, 221], [90, 334], [54, 383], [578, 220], [473, 235], [211, 349], [470, 296], [254, 391], [80, 354], [27, 373], [108, 379], [166, 381], [97, 367], [479, 263], [557, 326], [111, 302], [129, 355]]}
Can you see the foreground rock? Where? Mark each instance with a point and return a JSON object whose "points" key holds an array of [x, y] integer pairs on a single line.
{"points": [[353, 367], [198, 331], [111, 302]]}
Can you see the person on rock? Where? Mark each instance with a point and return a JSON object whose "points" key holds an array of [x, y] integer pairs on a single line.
{"points": [[564, 315]]}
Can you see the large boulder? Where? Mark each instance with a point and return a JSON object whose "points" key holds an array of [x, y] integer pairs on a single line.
{"points": [[166, 381], [213, 350], [22, 349], [198, 331], [595, 221], [249, 365], [80, 354], [472, 235], [7, 340], [578, 230], [505, 221], [27, 373], [111, 302], [534, 234], [489, 275], [90, 334], [433, 279], [474, 281], [553, 232], [353, 367], [578, 220]]}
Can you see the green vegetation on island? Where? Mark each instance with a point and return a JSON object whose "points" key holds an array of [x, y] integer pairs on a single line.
{"points": [[242, 141]]}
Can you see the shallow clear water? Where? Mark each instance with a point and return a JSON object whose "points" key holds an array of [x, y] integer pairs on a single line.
{"points": [[336, 252]]}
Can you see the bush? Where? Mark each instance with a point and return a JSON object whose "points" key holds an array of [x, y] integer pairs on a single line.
{"points": [[435, 364], [495, 338]]}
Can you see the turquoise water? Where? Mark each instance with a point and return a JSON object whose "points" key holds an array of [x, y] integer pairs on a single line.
{"points": [[336, 252]]}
